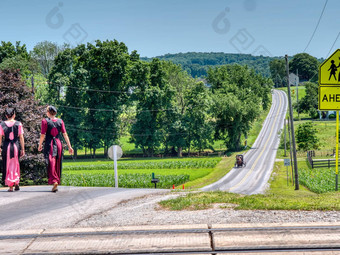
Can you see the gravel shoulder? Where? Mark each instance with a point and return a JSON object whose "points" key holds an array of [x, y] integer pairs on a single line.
{"points": [[146, 211]]}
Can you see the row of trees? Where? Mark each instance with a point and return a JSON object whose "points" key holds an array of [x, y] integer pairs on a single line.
{"points": [[304, 64], [104, 92], [197, 64]]}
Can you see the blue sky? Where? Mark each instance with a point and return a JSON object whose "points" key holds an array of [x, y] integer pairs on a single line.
{"points": [[158, 27]]}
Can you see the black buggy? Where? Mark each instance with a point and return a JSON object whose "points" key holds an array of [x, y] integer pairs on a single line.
{"points": [[240, 161]]}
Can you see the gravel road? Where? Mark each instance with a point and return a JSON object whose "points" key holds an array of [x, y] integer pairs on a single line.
{"points": [[146, 211]]}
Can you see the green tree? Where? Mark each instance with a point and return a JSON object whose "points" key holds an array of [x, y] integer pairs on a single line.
{"points": [[25, 66], [154, 99], [309, 103], [277, 71], [8, 50], [198, 119], [180, 83], [239, 95], [108, 64], [306, 137], [44, 53], [306, 65], [188, 124]]}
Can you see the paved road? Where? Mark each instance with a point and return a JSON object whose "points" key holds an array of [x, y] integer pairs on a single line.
{"points": [[37, 207], [253, 179]]}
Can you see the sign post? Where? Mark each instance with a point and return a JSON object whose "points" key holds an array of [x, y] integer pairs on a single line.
{"points": [[115, 152], [337, 152], [329, 96], [287, 164]]}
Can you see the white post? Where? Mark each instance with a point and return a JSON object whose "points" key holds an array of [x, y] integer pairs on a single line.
{"points": [[115, 165]]}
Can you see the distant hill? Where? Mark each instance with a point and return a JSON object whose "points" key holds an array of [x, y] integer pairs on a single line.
{"points": [[197, 63]]}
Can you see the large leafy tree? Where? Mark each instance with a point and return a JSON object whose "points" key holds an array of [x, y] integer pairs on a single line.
{"points": [[154, 100], [188, 123], [8, 50], [15, 93], [309, 102], [278, 71], [16, 57], [44, 53], [107, 64], [306, 137], [239, 95], [176, 128], [198, 119], [91, 84], [306, 65]]}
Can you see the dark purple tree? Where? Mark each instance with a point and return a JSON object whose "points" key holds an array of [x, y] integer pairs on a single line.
{"points": [[15, 93]]}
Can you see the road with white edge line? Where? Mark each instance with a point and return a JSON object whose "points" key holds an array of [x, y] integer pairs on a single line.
{"points": [[253, 178]]}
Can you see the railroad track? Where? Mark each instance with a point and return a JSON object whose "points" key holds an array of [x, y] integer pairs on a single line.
{"points": [[210, 240]]}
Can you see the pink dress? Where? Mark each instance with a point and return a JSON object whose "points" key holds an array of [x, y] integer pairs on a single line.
{"points": [[12, 164], [54, 162]]}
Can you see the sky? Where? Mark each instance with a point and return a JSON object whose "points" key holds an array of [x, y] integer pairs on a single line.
{"points": [[158, 27]]}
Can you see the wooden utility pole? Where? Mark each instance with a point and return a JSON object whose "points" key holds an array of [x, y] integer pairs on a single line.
{"points": [[284, 125], [292, 128]]}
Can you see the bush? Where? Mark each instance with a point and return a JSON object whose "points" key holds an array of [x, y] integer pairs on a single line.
{"points": [[332, 116], [15, 93]]}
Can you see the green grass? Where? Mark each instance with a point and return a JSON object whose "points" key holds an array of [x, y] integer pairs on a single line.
{"points": [[134, 180], [280, 197], [147, 164], [192, 173], [139, 171], [326, 135]]}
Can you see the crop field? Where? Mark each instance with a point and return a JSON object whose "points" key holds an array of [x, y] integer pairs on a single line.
{"points": [[318, 180], [137, 173]]}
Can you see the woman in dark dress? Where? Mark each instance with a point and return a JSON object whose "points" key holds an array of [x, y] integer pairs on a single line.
{"points": [[51, 128], [13, 146]]}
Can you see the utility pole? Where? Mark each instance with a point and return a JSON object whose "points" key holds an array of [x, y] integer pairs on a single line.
{"points": [[32, 82], [284, 125], [292, 127], [290, 152], [297, 91]]}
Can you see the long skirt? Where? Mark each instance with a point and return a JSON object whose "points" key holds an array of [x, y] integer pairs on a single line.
{"points": [[54, 164], [12, 167]]}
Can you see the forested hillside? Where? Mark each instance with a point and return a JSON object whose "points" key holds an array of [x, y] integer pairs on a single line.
{"points": [[198, 63]]}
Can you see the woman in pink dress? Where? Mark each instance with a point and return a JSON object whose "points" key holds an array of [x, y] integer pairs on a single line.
{"points": [[51, 128], [12, 132]]}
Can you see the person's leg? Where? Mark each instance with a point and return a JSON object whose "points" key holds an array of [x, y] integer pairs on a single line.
{"points": [[10, 185]]}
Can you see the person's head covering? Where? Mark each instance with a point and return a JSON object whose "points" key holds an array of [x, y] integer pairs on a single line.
{"points": [[52, 110]]}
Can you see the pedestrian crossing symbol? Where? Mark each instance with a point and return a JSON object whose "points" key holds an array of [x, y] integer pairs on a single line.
{"points": [[329, 70]]}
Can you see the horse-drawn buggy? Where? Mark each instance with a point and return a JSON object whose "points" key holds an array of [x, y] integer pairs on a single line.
{"points": [[240, 161]]}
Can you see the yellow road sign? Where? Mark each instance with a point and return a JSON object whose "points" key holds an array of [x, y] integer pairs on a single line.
{"points": [[329, 98], [329, 70]]}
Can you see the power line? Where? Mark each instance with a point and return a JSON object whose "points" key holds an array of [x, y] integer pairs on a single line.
{"points": [[333, 44], [93, 90], [317, 25], [110, 110]]}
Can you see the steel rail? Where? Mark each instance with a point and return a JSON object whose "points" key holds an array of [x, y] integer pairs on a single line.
{"points": [[170, 231]]}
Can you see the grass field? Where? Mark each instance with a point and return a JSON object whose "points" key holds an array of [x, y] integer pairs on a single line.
{"points": [[137, 173]]}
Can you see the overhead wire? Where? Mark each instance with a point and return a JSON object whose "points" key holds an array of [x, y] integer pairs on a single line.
{"points": [[333, 44], [317, 25]]}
